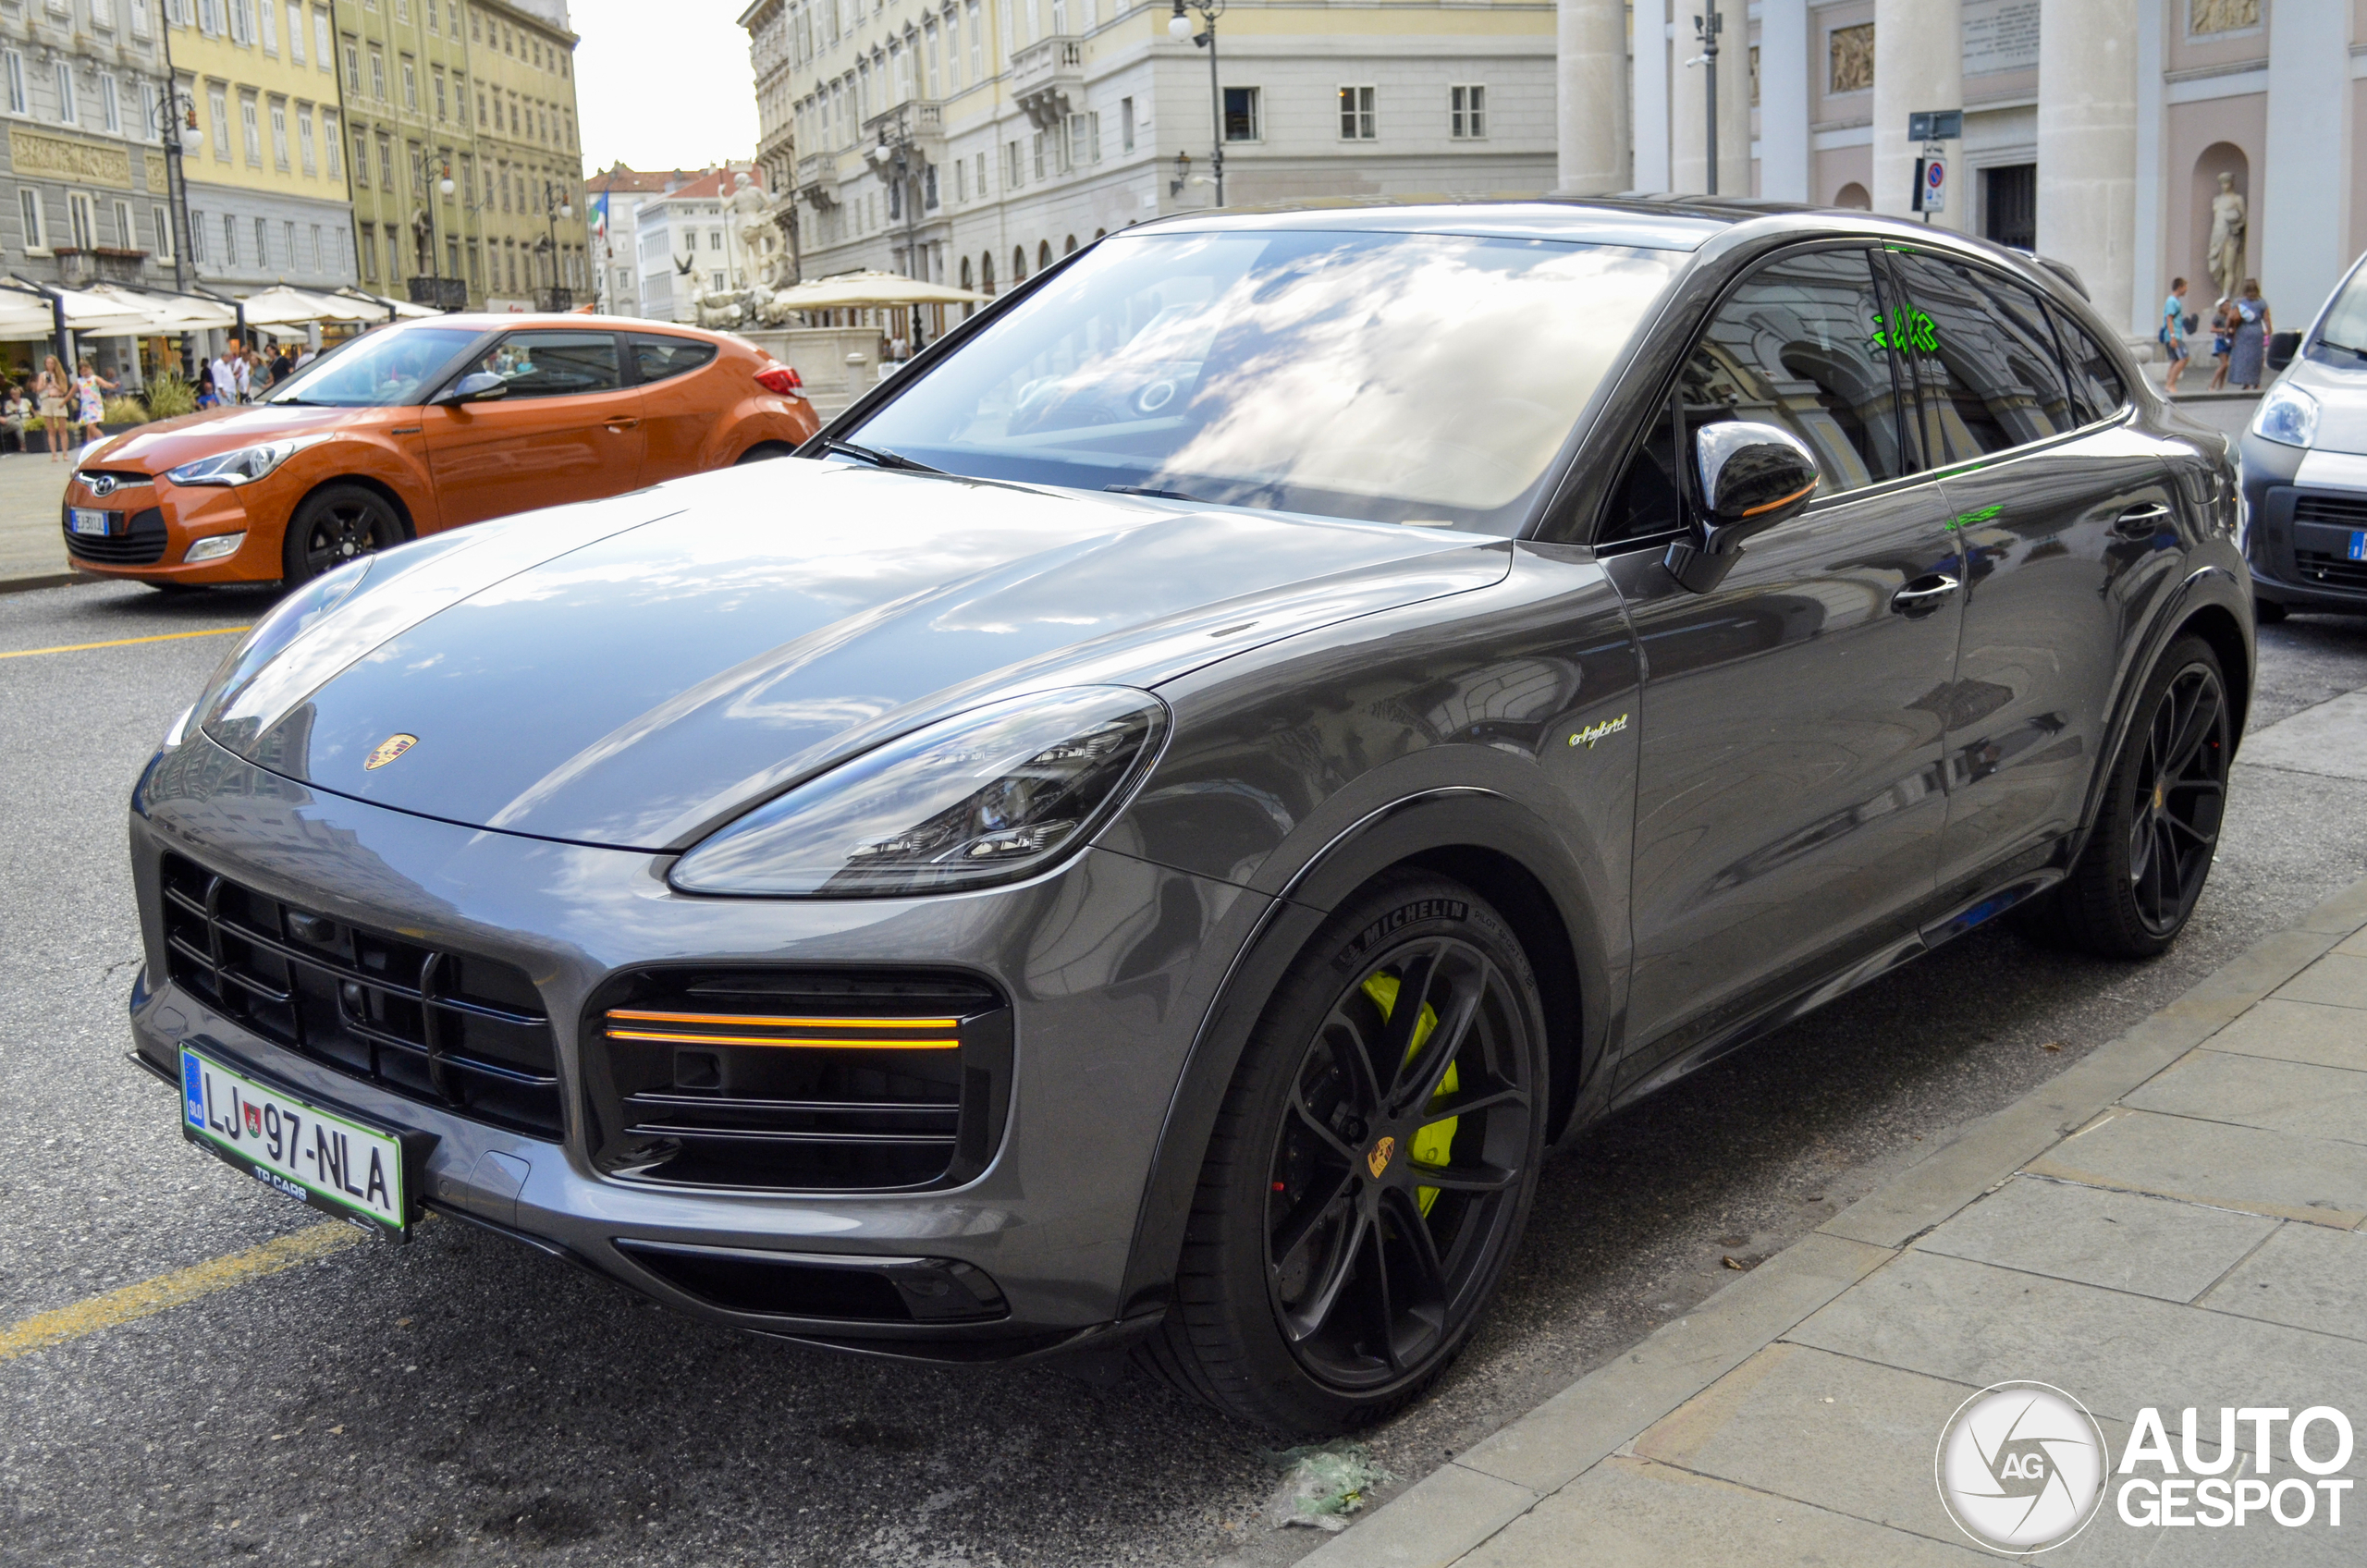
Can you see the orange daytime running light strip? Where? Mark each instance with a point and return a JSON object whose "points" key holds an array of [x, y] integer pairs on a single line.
{"points": [[774, 1021], [794, 1044]]}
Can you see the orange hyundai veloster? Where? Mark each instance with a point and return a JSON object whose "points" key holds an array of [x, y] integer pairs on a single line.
{"points": [[422, 426]]}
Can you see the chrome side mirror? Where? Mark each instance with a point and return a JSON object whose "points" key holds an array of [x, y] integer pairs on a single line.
{"points": [[1749, 477], [477, 386]]}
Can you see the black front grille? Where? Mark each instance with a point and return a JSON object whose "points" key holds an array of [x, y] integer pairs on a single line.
{"points": [[447, 1029], [140, 544], [2316, 566], [796, 1081], [2338, 512]]}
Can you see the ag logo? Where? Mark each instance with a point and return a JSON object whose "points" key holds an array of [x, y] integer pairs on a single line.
{"points": [[388, 750], [1378, 1160], [2021, 1467]]}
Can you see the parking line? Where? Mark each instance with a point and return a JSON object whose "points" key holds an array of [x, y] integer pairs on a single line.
{"points": [[126, 641], [182, 1286]]}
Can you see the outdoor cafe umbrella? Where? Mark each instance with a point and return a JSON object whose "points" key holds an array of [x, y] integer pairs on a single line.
{"points": [[282, 306], [858, 290]]}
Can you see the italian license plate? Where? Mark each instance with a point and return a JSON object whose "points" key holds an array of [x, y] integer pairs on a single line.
{"points": [[323, 1158], [2358, 544], [85, 521]]}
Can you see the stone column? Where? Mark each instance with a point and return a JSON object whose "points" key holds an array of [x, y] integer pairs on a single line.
{"points": [[2300, 206], [1589, 77], [1689, 116], [1918, 63], [2087, 150], [1649, 118], [1783, 99]]}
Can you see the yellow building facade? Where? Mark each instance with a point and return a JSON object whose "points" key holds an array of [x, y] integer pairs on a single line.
{"points": [[529, 190]]}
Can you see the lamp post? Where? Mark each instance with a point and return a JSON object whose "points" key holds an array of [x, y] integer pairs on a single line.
{"points": [[177, 128], [1179, 28], [1707, 29], [435, 179], [556, 207]]}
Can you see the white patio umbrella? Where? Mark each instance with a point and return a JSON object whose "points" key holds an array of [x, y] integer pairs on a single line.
{"points": [[24, 315], [403, 308], [857, 291], [168, 314], [283, 306]]}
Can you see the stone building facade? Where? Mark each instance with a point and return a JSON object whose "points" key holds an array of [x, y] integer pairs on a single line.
{"points": [[528, 155]]}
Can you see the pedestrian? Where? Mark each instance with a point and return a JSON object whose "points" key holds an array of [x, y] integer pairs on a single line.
{"points": [[257, 378], [283, 364], [2249, 351], [15, 409], [2171, 334], [49, 394], [229, 373], [2223, 341], [90, 399]]}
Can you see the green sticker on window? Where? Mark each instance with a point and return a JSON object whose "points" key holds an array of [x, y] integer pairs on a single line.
{"points": [[1917, 329]]}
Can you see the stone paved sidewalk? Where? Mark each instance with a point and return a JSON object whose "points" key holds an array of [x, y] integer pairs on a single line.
{"points": [[2175, 1220], [32, 551]]}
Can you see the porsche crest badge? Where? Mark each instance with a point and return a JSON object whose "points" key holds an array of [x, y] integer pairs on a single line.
{"points": [[1379, 1160], [388, 750]]}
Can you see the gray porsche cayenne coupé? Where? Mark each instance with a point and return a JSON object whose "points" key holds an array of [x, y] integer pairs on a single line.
{"points": [[1148, 831]]}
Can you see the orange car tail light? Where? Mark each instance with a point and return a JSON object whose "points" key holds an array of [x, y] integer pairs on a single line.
{"points": [[782, 379]]}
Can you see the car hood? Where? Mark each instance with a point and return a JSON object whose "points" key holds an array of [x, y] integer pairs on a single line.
{"points": [[635, 671], [2341, 392], [168, 443]]}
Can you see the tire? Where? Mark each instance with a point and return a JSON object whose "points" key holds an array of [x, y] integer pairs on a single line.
{"points": [[2268, 612], [2134, 885], [763, 451], [336, 525], [1323, 1284]]}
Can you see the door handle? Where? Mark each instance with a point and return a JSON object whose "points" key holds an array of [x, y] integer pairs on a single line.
{"points": [[620, 425], [2138, 521], [1924, 595]]}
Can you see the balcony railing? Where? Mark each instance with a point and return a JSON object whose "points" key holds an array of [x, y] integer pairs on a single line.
{"points": [[443, 293], [918, 120], [1048, 76], [78, 267]]}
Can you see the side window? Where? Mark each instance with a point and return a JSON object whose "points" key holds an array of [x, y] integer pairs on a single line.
{"points": [[2095, 381], [1983, 358], [1800, 345], [554, 365], [1648, 501], [657, 357]]}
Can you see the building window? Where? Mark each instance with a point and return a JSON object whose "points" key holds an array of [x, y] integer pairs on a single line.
{"points": [[110, 103], [360, 159], [29, 210], [1126, 125], [369, 243], [439, 94], [218, 100], [1466, 112], [1241, 115], [411, 84], [1849, 59], [123, 234], [1037, 146], [16, 66], [230, 240], [82, 217], [321, 46], [162, 218], [263, 244], [386, 169], [329, 144], [242, 21], [150, 104], [270, 26], [304, 140], [66, 92], [377, 73], [962, 182], [1355, 114], [251, 126], [280, 135], [296, 30]]}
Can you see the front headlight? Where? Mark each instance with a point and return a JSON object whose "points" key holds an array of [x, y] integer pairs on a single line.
{"points": [[242, 467], [992, 795], [2288, 414]]}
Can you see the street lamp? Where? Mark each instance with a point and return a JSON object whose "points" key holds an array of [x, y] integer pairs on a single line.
{"points": [[438, 173], [177, 128], [556, 208], [1179, 28]]}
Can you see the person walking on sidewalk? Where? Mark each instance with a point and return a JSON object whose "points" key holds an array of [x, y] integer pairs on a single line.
{"points": [[2172, 334], [49, 393], [2249, 350], [228, 375], [2223, 342], [90, 401]]}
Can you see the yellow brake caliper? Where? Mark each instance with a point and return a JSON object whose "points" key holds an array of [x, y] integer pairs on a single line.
{"points": [[1433, 1144]]}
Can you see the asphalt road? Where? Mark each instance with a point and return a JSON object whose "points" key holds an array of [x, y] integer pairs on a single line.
{"points": [[462, 1401]]}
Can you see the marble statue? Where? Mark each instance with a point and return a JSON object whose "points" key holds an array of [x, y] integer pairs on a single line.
{"points": [[2226, 253]]}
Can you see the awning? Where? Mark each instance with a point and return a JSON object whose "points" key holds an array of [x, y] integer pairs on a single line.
{"points": [[164, 312], [283, 306], [403, 308], [857, 291], [24, 315]]}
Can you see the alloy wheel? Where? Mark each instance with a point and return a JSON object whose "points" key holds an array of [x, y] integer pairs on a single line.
{"points": [[2179, 796], [1399, 1160], [340, 531]]}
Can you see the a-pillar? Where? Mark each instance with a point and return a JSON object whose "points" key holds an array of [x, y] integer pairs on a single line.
{"points": [[2301, 210], [1783, 99], [2087, 151], [1688, 109], [1590, 82], [1919, 64]]}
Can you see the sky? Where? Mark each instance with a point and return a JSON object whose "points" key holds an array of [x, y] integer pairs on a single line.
{"points": [[663, 84]]}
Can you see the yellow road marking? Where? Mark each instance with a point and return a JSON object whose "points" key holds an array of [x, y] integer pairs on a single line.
{"points": [[182, 1286], [125, 641]]}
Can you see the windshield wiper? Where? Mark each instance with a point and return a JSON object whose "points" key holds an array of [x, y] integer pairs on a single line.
{"points": [[2346, 347], [1159, 494], [879, 456]]}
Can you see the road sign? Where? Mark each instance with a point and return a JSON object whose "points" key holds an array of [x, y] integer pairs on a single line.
{"points": [[1935, 125], [1930, 185]]}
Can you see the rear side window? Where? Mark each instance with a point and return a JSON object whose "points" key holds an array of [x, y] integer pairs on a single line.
{"points": [[554, 365], [2095, 381], [657, 357], [1984, 359]]}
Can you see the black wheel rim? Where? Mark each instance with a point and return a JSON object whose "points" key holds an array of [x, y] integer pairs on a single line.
{"points": [[341, 531], [1400, 1164], [2181, 794]]}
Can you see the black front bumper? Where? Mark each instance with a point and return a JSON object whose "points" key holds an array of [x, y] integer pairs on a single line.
{"points": [[2299, 537]]}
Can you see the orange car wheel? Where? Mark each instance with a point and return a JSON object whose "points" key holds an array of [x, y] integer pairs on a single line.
{"points": [[334, 525]]}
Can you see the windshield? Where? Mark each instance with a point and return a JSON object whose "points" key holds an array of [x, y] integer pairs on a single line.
{"points": [[2346, 324], [1389, 377], [390, 368]]}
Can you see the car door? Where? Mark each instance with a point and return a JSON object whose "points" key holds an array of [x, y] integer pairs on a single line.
{"points": [[2059, 507], [567, 429], [678, 403], [1789, 800]]}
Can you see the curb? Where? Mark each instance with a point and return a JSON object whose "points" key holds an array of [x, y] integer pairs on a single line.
{"points": [[1457, 1507], [55, 579]]}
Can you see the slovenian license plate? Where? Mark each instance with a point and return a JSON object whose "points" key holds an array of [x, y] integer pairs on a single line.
{"points": [[85, 521], [323, 1158], [2359, 544]]}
